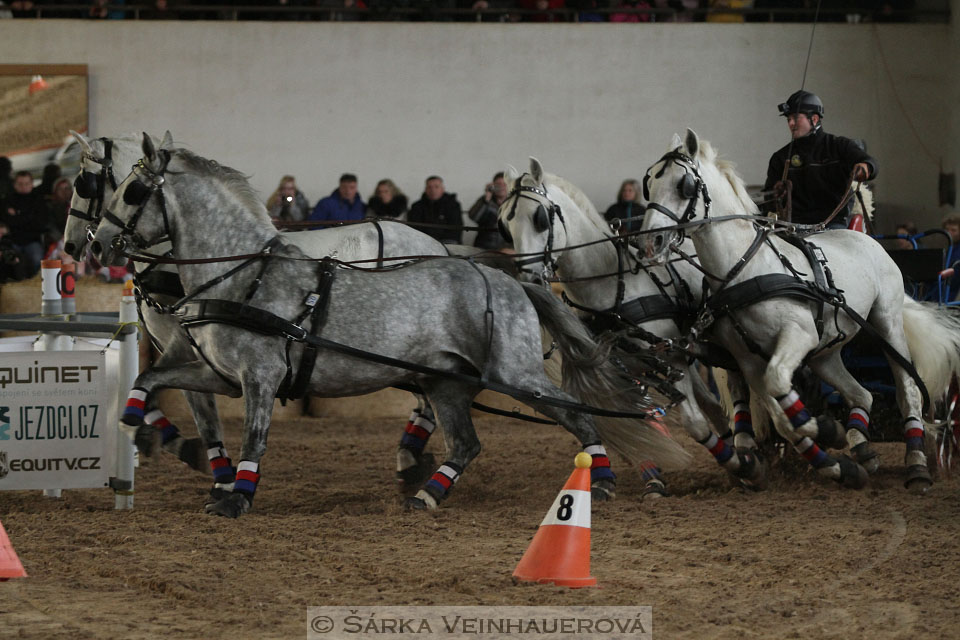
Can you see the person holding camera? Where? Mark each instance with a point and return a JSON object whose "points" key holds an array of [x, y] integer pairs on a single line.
{"points": [[287, 203], [27, 217], [484, 212]]}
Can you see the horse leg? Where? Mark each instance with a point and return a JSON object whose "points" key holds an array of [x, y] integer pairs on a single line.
{"points": [[413, 465], [799, 427], [829, 367], [451, 401], [603, 481], [909, 400], [259, 391], [742, 464]]}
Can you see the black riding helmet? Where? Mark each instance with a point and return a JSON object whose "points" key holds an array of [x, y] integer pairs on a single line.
{"points": [[802, 102]]}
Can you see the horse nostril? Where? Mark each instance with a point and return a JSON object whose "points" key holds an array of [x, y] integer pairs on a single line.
{"points": [[658, 242], [69, 247], [96, 247]]}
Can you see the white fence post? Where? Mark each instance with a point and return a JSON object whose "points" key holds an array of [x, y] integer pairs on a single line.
{"points": [[129, 368]]}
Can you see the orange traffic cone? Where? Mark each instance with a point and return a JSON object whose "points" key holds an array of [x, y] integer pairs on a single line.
{"points": [[37, 83], [10, 566], [560, 550]]}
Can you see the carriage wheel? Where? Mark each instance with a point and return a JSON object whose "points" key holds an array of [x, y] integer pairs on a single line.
{"points": [[948, 434]]}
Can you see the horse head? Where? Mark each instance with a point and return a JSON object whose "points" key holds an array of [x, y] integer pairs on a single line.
{"points": [[129, 216], [528, 218], [95, 185], [683, 187], [676, 194]]}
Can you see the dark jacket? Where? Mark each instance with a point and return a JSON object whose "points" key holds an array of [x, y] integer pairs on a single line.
{"points": [[484, 213], [820, 168], [393, 209], [30, 218], [333, 207], [445, 210], [626, 211]]}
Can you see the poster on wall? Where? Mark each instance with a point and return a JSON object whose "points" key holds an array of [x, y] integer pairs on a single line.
{"points": [[54, 409], [39, 105]]}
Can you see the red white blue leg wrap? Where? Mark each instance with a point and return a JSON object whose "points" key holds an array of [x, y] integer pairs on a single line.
{"points": [[441, 482], [742, 420], [168, 430], [913, 430], [136, 407], [224, 472], [816, 456], [792, 406], [417, 432], [600, 467], [248, 475], [859, 419]]}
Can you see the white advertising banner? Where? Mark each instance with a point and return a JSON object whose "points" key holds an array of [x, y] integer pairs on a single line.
{"points": [[56, 431]]}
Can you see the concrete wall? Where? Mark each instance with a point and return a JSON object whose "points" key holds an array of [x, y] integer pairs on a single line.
{"points": [[595, 103]]}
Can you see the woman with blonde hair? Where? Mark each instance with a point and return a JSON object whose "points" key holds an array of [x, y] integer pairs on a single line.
{"points": [[387, 201], [628, 208], [287, 203]]}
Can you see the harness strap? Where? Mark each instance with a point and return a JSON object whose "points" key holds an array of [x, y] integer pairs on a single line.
{"points": [[199, 312], [379, 229], [318, 318]]}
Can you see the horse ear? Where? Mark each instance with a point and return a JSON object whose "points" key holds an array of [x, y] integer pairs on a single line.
{"points": [[84, 143], [167, 142], [536, 170], [149, 151], [676, 142], [692, 143], [510, 173]]}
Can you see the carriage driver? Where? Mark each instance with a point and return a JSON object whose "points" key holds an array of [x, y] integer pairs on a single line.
{"points": [[819, 164]]}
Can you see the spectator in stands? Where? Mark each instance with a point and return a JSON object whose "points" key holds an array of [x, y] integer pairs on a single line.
{"points": [[436, 206], [287, 203], [621, 16], [162, 10], [905, 229], [343, 10], [628, 208], [485, 211], [6, 182], [542, 5], [13, 265], [818, 164], [503, 15], [387, 201], [341, 205], [98, 10], [951, 224], [26, 215], [59, 204], [717, 8], [51, 173], [682, 10], [5, 14]]}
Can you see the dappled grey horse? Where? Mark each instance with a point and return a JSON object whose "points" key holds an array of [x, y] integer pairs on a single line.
{"points": [[278, 305], [160, 283]]}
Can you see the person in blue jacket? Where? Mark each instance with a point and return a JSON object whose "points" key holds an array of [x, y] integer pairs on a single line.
{"points": [[343, 204]]}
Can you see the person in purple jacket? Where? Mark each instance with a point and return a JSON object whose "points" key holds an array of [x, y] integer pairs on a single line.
{"points": [[341, 205]]}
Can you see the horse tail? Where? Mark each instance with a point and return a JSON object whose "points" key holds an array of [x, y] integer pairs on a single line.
{"points": [[933, 336], [589, 375]]}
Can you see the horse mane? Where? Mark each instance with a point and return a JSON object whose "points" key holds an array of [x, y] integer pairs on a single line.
{"points": [[238, 183], [727, 169], [579, 198]]}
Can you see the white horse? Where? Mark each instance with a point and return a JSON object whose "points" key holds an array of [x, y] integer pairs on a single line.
{"points": [[546, 215], [771, 334]]}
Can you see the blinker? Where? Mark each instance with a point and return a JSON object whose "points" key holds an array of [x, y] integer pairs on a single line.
{"points": [[86, 185], [136, 193]]}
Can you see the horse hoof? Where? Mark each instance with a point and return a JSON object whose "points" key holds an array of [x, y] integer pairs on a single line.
{"points": [[603, 490], [216, 494], [145, 439], [423, 501], [752, 473], [194, 454], [852, 475], [415, 475], [830, 435], [654, 490], [918, 480], [231, 506], [868, 459]]}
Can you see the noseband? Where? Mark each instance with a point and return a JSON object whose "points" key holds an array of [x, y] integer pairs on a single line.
{"points": [[543, 220], [139, 193], [691, 188], [90, 186]]}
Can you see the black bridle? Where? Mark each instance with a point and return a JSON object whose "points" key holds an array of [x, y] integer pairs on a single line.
{"points": [[91, 186], [543, 220], [138, 193], [691, 188]]}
